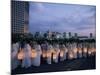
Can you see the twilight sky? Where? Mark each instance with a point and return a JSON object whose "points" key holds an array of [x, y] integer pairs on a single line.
{"points": [[62, 18]]}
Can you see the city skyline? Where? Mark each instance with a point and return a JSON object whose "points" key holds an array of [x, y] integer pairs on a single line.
{"points": [[62, 18]]}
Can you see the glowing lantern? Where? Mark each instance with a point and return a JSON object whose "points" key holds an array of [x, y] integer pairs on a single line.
{"points": [[75, 50], [89, 52], [44, 54], [20, 55], [61, 53], [85, 50], [52, 50], [33, 53], [79, 50], [71, 56], [48, 54], [54, 55], [40, 52], [93, 50], [56, 51], [66, 50]]}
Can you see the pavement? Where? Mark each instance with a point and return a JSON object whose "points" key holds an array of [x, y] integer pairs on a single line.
{"points": [[67, 65]]}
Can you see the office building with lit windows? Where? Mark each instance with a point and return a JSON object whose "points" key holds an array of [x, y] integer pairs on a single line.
{"points": [[19, 16]]}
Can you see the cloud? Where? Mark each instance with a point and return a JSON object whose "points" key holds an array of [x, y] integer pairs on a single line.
{"points": [[36, 7], [59, 17]]}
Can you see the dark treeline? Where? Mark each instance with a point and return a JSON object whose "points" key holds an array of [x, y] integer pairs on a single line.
{"points": [[29, 38]]}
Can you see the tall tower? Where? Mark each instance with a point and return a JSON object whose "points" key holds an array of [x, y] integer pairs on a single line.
{"points": [[91, 35], [19, 16], [75, 35], [70, 35]]}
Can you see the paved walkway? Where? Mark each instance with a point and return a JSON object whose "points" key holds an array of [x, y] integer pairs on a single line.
{"points": [[68, 65]]}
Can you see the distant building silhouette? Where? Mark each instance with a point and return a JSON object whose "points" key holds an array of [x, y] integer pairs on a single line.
{"points": [[75, 35], [91, 35], [70, 35]]}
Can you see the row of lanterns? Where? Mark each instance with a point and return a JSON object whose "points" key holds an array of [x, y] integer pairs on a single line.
{"points": [[53, 53]]}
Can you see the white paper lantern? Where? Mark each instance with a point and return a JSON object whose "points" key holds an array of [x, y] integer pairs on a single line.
{"points": [[66, 50], [75, 50], [21, 55], [85, 50], [44, 54], [71, 55], [54, 55], [93, 50], [48, 54], [80, 50], [61, 53], [33, 53]]}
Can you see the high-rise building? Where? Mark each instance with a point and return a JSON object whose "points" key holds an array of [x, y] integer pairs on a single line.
{"points": [[75, 35], [64, 35], [70, 35], [19, 16], [91, 35]]}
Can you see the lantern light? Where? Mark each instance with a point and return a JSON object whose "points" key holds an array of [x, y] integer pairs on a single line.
{"points": [[89, 51], [33, 53], [80, 50], [61, 53], [44, 54], [48, 54], [54, 56], [20, 55], [85, 50], [75, 50], [71, 55]]}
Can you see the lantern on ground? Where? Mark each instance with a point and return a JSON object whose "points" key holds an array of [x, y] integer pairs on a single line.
{"points": [[89, 51], [93, 50], [48, 54], [71, 55], [61, 53], [80, 51], [44, 54], [33, 53], [20, 55], [66, 50], [85, 50], [54, 55], [75, 50]]}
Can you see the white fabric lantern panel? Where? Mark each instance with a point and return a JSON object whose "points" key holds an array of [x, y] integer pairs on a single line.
{"points": [[89, 51], [70, 55], [85, 50], [44, 54], [80, 51], [66, 50], [21, 55], [54, 55], [93, 50], [61, 53], [75, 50], [48, 55], [14, 56], [33, 53], [26, 62]]}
